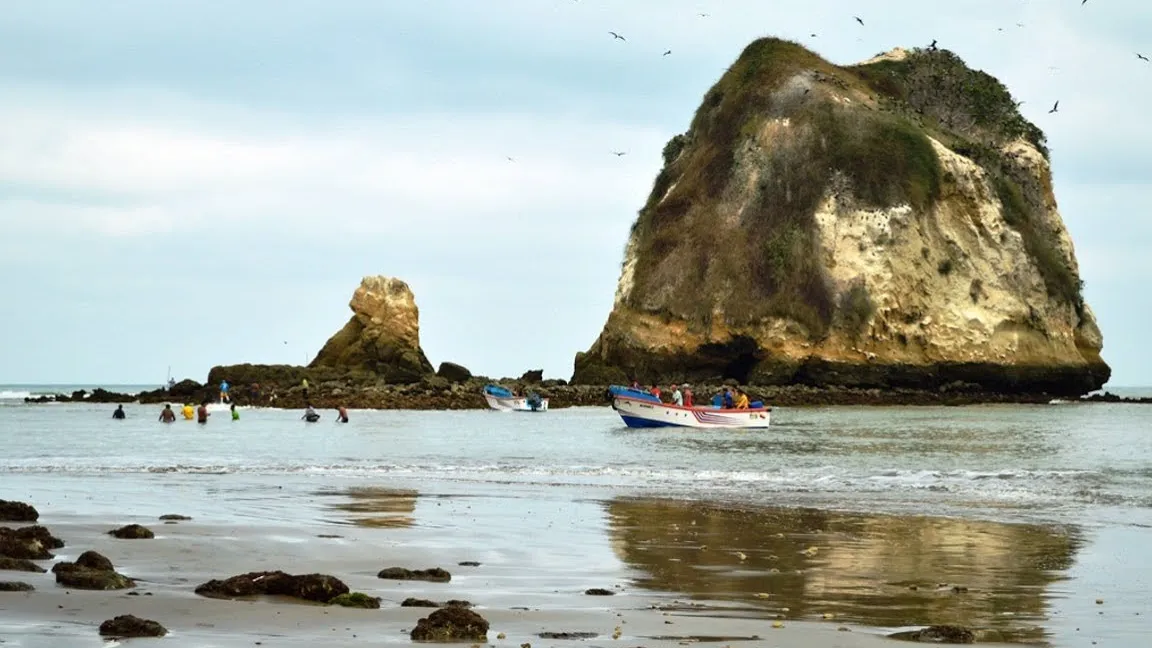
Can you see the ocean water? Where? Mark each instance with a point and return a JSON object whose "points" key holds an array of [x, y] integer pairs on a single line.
{"points": [[1038, 509], [16, 393]]}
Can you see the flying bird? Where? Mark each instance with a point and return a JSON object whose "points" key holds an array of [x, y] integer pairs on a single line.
{"points": [[619, 153], [509, 157], [618, 36], [812, 35], [1083, 2], [1054, 107], [858, 19], [1141, 56], [666, 52], [703, 15]]}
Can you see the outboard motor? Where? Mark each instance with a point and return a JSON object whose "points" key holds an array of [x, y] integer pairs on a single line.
{"points": [[534, 401]]}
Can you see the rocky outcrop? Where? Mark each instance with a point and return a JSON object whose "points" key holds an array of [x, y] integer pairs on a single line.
{"points": [[383, 335], [19, 564], [15, 586], [453, 372], [11, 511], [357, 600], [885, 225], [433, 575], [132, 532], [451, 624], [127, 625], [91, 571], [319, 588], [32, 543]]}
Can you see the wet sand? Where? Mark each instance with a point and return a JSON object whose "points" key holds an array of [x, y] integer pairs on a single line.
{"points": [[683, 573]]}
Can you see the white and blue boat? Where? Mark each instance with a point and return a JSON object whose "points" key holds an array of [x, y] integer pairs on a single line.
{"points": [[640, 409], [503, 400]]}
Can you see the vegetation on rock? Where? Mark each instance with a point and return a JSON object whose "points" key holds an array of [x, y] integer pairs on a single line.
{"points": [[11, 511], [357, 600], [319, 588], [884, 158], [132, 532], [128, 625], [434, 575], [451, 624]]}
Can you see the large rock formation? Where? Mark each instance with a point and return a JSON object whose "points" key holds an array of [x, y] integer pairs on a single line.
{"points": [[886, 224], [383, 335]]}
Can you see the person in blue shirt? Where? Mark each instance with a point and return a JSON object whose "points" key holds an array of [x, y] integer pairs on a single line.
{"points": [[728, 404], [223, 391]]}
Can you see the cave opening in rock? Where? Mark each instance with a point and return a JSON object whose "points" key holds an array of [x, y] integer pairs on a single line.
{"points": [[740, 367], [733, 359]]}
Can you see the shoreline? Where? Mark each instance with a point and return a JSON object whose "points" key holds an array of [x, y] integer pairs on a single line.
{"points": [[438, 394], [677, 569]]}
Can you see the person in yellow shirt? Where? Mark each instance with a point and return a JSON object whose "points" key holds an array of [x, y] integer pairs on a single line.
{"points": [[187, 412], [741, 399]]}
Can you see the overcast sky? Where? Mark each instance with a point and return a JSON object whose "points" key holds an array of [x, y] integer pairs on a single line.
{"points": [[197, 183]]}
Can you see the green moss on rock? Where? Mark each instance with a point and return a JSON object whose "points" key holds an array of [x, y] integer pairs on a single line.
{"points": [[357, 600]]}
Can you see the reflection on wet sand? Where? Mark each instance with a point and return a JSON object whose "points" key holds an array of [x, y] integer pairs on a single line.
{"points": [[376, 507], [869, 569]]}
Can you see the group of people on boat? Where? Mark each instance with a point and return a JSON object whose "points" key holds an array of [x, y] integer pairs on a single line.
{"points": [[728, 398]]}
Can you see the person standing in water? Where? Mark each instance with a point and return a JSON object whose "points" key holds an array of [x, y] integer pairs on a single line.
{"points": [[341, 414], [224, 392], [187, 411], [119, 413], [167, 415], [235, 414], [202, 414]]}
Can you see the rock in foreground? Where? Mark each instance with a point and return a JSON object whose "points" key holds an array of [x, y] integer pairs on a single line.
{"points": [[131, 626], [28, 542], [319, 588], [19, 564], [91, 571], [451, 624], [941, 634], [383, 335], [434, 575], [357, 600], [811, 229], [15, 586], [132, 532], [17, 512]]}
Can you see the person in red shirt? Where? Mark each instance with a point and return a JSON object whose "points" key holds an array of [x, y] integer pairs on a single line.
{"points": [[687, 395], [655, 391]]}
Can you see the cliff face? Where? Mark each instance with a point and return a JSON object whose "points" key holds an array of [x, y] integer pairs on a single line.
{"points": [[383, 335], [889, 224]]}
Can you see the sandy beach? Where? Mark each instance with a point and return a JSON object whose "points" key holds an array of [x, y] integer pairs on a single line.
{"points": [[522, 591]]}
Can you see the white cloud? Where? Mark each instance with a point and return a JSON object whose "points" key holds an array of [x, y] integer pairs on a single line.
{"points": [[368, 175]]}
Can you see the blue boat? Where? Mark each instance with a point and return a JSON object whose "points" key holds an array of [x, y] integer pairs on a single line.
{"points": [[502, 399]]}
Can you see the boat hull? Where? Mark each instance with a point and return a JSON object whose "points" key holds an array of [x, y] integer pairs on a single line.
{"points": [[638, 413], [514, 404]]}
